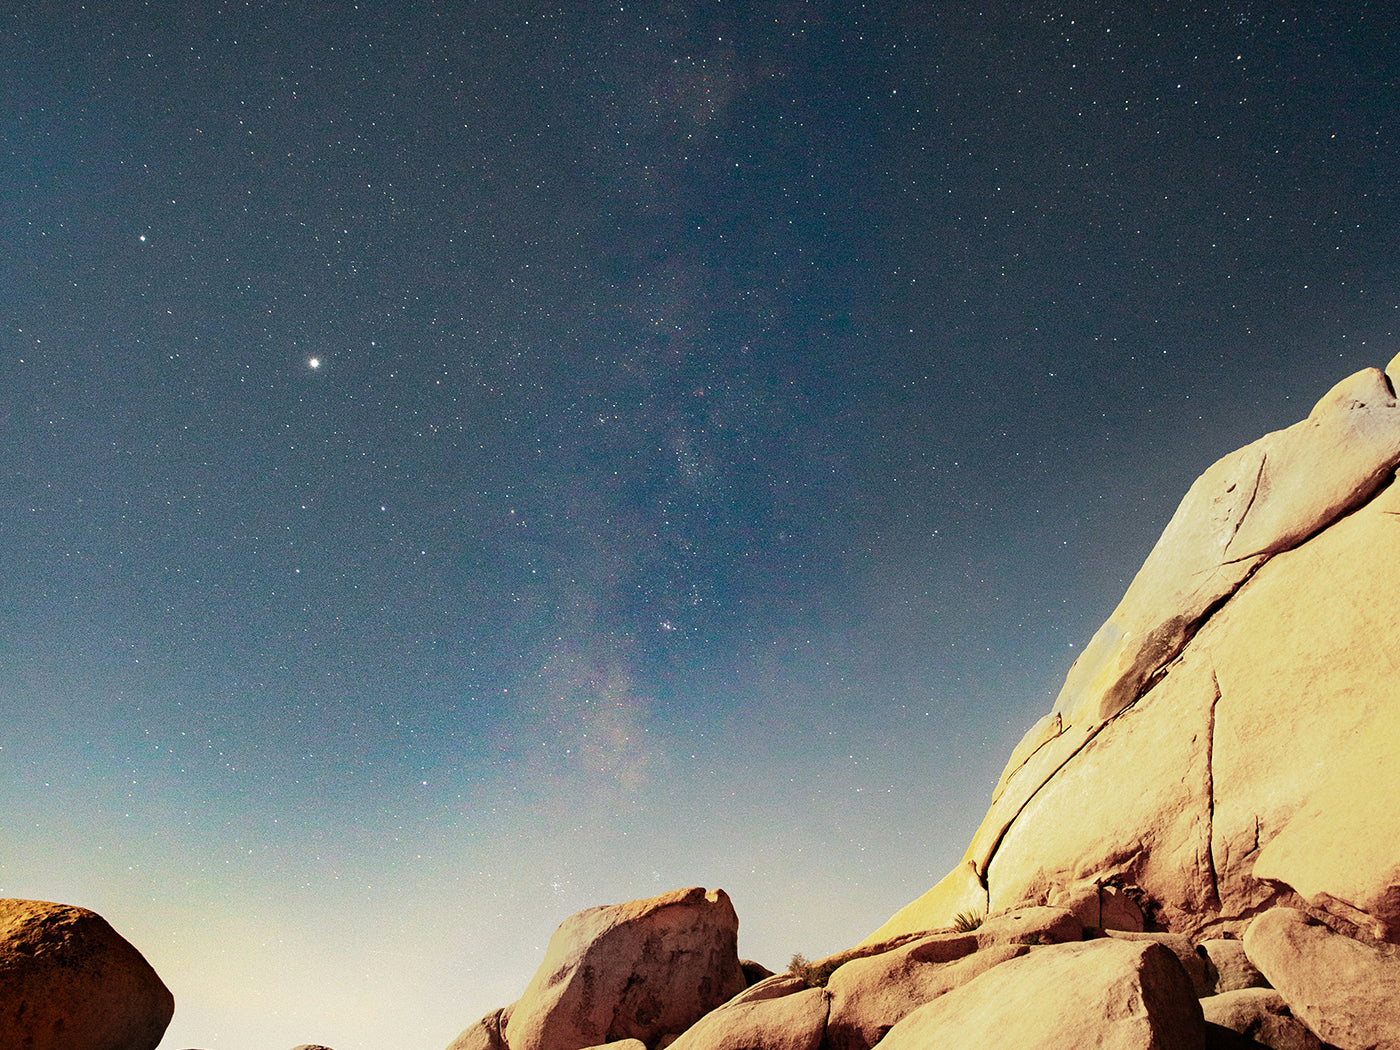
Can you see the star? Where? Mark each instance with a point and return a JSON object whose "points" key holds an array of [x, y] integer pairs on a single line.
{"points": [[314, 363]]}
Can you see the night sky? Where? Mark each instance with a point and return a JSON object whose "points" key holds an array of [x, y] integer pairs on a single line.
{"points": [[466, 462]]}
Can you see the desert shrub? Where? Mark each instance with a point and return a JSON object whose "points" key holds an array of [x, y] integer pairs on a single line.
{"points": [[814, 974], [967, 921]]}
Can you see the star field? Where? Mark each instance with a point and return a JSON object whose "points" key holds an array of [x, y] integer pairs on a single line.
{"points": [[469, 462]]}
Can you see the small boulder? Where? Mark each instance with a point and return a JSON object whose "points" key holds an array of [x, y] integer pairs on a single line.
{"points": [[1180, 945], [1110, 994], [1230, 967], [1345, 991], [638, 970], [68, 981], [870, 996], [794, 1022], [1097, 906], [774, 987], [1262, 1015], [1033, 925], [754, 971]]}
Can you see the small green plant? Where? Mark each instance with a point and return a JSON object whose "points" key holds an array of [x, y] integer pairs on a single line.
{"points": [[967, 921], [814, 974]]}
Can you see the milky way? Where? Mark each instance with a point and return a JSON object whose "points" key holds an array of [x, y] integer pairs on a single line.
{"points": [[469, 462]]}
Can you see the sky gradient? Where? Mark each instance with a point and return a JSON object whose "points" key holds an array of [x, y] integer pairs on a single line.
{"points": [[468, 462]]}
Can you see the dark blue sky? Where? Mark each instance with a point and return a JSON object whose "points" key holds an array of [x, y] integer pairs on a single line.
{"points": [[727, 420]]}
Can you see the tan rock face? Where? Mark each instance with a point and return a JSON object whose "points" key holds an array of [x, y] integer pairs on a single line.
{"points": [[1097, 906], [870, 996], [1262, 1015], [1338, 849], [1250, 505], [68, 981], [1306, 659], [793, 1022], [1033, 925], [1344, 991], [774, 987], [484, 1035], [1230, 968], [1134, 804], [638, 970], [1191, 961], [1116, 995], [961, 890], [1230, 737], [622, 1044]]}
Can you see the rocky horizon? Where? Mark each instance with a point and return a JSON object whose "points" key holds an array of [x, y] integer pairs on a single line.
{"points": [[1194, 848]]}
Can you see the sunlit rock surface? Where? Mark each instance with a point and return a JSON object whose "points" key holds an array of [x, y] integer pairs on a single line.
{"points": [[1117, 995], [639, 970], [1229, 737]]}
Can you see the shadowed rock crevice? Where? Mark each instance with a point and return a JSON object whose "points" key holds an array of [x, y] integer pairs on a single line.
{"points": [[1244, 514], [984, 858], [1210, 795]]}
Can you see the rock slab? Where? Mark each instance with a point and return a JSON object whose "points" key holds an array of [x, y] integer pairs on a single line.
{"points": [[1262, 1015], [870, 996], [1347, 992], [1110, 994], [1229, 966], [484, 1035], [793, 1022], [68, 981]]}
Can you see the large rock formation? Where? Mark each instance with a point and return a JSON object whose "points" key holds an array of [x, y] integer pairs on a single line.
{"points": [[68, 981], [1222, 761], [1229, 738], [856, 999], [640, 970], [870, 996]]}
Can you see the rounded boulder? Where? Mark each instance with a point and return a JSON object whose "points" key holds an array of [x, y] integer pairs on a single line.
{"points": [[68, 981]]}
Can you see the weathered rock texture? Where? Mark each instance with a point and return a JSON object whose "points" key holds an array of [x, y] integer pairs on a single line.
{"points": [[1230, 739], [484, 1035], [1230, 968], [1262, 1015], [1346, 992], [870, 996], [68, 981], [1116, 995], [639, 970], [793, 1022]]}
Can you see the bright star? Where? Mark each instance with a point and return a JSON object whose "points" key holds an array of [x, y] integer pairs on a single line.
{"points": [[315, 362]]}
